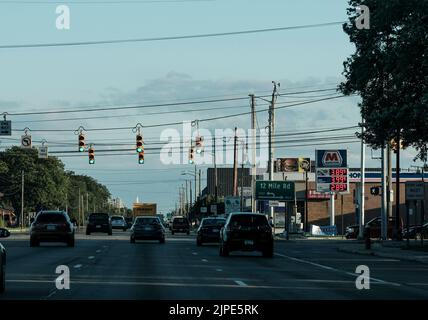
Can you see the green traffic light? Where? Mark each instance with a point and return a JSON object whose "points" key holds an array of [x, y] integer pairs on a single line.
{"points": [[81, 149], [91, 161], [139, 149], [199, 151], [190, 161], [141, 161]]}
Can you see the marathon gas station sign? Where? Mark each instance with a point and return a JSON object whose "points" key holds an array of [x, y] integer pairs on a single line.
{"points": [[332, 172]]}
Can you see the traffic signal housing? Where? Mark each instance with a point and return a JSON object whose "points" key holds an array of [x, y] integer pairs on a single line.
{"points": [[139, 143], [82, 144], [191, 155], [141, 156], [91, 155], [199, 144]]}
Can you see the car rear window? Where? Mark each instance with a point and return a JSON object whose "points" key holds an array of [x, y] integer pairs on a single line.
{"points": [[51, 217], [146, 221], [116, 218], [98, 217], [213, 222], [248, 220], [180, 220]]}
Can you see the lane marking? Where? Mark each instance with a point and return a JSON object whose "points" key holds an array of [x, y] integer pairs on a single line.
{"points": [[98, 251], [77, 266], [241, 283], [91, 257], [335, 270], [219, 270], [204, 260], [195, 253]]}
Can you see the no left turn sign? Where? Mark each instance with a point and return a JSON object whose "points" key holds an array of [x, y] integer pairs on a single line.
{"points": [[26, 141]]}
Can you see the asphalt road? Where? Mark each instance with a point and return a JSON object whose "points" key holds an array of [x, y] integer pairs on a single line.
{"points": [[110, 267]]}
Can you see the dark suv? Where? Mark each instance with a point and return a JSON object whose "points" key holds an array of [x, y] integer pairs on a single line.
{"points": [[99, 222], [3, 234], [180, 224], [209, 230], [246, 232], [51, 226]]}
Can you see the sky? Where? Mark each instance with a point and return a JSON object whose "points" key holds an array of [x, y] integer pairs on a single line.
{"points": [[141, 73]]}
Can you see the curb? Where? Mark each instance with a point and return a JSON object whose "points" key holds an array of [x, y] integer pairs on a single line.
{"points": [[383, 255]]}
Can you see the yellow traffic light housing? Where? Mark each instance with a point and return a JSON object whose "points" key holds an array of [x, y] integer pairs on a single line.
{"points": [[199, 144], [141, 156], [82, 144], [139, 144], [191, 155], [91, 155]]}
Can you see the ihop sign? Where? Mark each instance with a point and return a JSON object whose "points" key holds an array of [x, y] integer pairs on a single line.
{"points": [[331, 158]]}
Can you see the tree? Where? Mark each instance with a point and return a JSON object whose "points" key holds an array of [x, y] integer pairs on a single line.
{"points": [[389, 70]]}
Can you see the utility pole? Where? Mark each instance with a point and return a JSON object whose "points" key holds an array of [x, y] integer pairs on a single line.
{"points": [[80, 218], [215, 173], [186, 201], [235, 164], [195, 186], [397, 186], [83, 210], [87, 202], [199, 193], [66, 202], [22, 198], [384, 213], [242, 179], [271, 140], [253, 137], [389, 195], [190, 198], [363, 180]]}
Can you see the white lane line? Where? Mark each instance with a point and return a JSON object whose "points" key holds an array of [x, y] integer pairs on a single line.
{"points": [[241, 283], [195, 253], [91, 257], [219, 270], [334, 269], [98, 251], [77, 266], [204, 260]]}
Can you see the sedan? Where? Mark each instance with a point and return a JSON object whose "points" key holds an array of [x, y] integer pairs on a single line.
{"points": [[209, 230], [416, 232], [51, 226], [119, 222], [147, 228], [4, 233]]}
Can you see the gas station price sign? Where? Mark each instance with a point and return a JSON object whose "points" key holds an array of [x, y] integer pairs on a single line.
{"points": [[332, 180]]}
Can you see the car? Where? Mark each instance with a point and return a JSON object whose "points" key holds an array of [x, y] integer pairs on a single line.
{"points": [[416, 232], [180, 224], [246, 231], [373, 226], [118, 222], [99, 222], [147, 228], [4, 233], [51, 226], [209, 230]]}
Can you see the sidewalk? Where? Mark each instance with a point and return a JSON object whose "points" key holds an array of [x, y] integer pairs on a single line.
{"points": [[388, 250]]}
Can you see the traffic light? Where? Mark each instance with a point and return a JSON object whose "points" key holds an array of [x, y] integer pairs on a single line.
{"points": [[375, 191], [91, 155], [82, 144], [141, 156], [191, 155], [139, 144], [199, 144]]}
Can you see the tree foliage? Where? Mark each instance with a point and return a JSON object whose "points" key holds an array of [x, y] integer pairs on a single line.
{"points": [[389, 70], [47, 184]]}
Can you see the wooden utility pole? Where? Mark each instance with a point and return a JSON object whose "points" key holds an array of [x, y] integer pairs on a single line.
{"points": [[22, 198], [235, 164], [215, 172], [253, 138]]}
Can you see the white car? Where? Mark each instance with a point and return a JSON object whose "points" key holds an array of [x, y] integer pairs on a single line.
{"points": [[118, 222]]}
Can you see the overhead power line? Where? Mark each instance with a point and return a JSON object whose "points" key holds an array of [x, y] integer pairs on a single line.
{"points": [[193, 36]]}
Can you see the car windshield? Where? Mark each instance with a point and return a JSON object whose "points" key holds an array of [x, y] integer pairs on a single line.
{"points": [[247, 220], [51, 217], [213, 222], [146, 221]]}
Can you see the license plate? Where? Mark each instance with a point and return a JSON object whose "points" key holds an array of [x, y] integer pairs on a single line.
{"points": [[50, 227], [98, 227], [248, 242]]}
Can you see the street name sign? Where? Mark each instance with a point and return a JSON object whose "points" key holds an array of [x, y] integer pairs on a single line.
{"points": [[275, 190], [6, 128]]}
